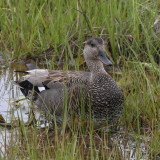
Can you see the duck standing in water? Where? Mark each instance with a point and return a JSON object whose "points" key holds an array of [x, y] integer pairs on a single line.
{"points": [[94, 92]]}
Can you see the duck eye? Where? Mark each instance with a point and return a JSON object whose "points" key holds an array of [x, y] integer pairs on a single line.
{"points": [[92, 45]]}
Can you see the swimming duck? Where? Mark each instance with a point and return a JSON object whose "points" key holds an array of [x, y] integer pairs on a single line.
{"points": [[95, 92]]}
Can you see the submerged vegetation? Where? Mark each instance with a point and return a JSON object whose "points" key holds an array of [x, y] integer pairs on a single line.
{"points": [[54, 31]]}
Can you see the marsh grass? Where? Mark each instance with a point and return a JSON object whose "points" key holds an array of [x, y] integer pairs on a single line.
{"points": [[30, 29]]}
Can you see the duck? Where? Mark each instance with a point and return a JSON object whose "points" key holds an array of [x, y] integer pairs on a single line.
{"points": [[94, 93]]}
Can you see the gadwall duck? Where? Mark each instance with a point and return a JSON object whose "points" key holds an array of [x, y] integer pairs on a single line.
{"points": [[92, 93]]}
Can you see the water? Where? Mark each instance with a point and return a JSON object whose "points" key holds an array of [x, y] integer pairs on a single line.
{"points": [[9, 94], [128, 145], [131, 146], [9, 111]]}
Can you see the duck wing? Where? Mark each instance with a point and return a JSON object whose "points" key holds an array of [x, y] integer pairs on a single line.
{"points": [[55, 78]]}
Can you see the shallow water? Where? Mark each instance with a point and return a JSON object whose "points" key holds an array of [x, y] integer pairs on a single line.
{"points": [[127, 144], [10, 93], [9, 111], [132, 147]]}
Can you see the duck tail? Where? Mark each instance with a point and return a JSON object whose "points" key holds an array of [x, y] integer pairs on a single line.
{"points": [[28, 89]]}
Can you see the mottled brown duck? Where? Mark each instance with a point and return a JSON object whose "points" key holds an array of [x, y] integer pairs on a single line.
{"points": [[93, 93]]}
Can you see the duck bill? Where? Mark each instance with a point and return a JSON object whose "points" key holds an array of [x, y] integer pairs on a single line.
{"points": [[102, 57]]}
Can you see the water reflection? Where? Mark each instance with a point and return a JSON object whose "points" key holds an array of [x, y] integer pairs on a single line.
{"points": [[8, 94], [10, 112]]}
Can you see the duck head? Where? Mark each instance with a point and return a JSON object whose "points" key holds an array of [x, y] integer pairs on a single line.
{"points": [[95, 54]]}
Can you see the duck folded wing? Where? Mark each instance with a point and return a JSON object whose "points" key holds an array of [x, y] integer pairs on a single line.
{"points": [[50, 78]]}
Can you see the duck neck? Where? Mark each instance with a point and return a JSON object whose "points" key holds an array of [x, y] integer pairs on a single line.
{"points": [[95, 67]]}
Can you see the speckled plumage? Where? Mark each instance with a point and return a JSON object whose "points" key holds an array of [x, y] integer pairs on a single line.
{"points": [[95, 90]]}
